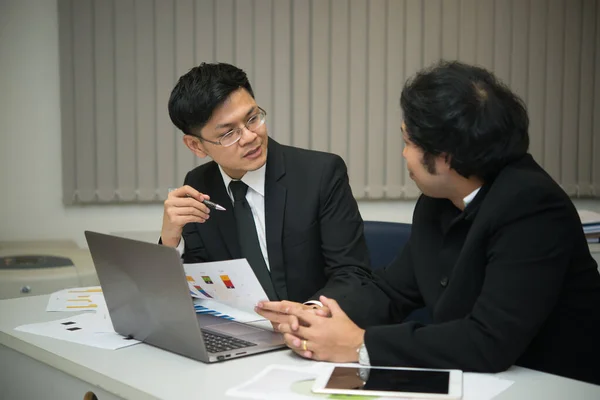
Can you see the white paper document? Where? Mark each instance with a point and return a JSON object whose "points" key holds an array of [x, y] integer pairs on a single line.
{"points": [[232, 283], [91, 329], [77, 299], [589, 217], [282, 382]]}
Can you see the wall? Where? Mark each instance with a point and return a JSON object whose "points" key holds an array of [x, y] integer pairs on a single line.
{"points": [[30, 141]]}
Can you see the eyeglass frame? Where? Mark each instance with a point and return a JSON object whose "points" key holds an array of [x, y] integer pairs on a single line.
{"points": [[218, 143]]}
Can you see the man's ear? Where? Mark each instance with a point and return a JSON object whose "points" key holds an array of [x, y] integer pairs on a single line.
{"points": [[195, 145], [443, 162]]}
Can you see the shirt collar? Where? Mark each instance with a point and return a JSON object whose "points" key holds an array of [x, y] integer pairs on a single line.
{"points": [[471, 196], [254, 179]]}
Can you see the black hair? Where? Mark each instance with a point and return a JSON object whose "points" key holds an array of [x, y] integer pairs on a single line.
{"points": [[466, 113], [200, 91]]}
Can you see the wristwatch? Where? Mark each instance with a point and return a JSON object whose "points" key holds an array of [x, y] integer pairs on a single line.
{"points": [[363, 355]]}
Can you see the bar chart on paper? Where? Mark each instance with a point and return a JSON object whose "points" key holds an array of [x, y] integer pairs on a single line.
{"points": [[231, 282], [76, 299], [200, 292]]}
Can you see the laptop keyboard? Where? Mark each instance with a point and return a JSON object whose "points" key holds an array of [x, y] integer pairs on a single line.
{"points": [[217, 343]]}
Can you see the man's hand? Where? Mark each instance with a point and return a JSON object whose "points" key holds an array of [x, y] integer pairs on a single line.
{"points": [[333, 339], [183, 205], [280, 313]]}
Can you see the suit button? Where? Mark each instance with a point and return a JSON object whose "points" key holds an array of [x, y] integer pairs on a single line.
{"points": [[444, 281]]}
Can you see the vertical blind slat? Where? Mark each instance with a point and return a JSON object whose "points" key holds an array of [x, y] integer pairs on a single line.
{"points": [[358, 93], [300, 73], [145, 100], [596, 135], [554, 88], [394, 166], [376, 100], [224, 31], [520, 47], [536, 88], [263, 57], [104, 89], [282, 77], [204, 41], [413, 62], [432, 19], [319, 73], [570, 99], [485, 42], [586, 100], [339, 73], [83, 45], [243, 25], [125, 72], [184, 60], [467, 44], [165, 74], [69, 137], [450, 32], [503, 34]]}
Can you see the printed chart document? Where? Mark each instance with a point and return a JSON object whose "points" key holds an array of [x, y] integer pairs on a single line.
{"points": [[77, 299], [228, 287], [91, 329]]}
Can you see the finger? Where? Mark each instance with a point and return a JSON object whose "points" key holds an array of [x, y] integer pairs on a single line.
{"points": [[187, 192], [333, 306], [293, 340], [295, 343], [302, 332], [189, 202], [181, 221], [273, 316], [275, 326], [193, 193], [323, 312], [307, 316], [185, 206], [187, 211], [283, 307]]}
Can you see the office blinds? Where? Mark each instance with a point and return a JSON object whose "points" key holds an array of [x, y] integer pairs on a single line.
{"points": [[328, 72]]}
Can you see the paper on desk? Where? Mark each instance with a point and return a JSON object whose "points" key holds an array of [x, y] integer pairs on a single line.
{"points": [[77, 299], [295, 383], [220, 310], [90, 329], [229, 282], [589, 217]]}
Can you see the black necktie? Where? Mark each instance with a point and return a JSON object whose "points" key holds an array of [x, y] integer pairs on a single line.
{"points": [[248, 237]]}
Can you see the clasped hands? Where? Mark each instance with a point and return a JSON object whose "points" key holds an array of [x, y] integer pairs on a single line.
{"points": [[322, 333]]}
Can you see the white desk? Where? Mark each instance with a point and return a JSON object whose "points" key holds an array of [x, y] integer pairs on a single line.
{"points": [[35, 367]]}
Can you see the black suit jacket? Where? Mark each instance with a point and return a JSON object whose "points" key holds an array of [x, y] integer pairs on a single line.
{"points": [[508, 281], [314, 230]]}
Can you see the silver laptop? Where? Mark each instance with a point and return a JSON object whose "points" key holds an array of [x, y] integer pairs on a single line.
{"points": [[148, 299]]}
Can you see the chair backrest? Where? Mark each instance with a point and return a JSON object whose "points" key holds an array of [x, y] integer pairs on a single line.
{"points": [[385, 240]]}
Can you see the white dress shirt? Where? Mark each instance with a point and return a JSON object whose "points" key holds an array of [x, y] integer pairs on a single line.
{"points": [[255, 196]]}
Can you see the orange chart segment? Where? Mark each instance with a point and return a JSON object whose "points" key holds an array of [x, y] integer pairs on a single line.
{"points": [[228, 283]]}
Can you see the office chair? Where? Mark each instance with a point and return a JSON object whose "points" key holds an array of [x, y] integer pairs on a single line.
{"points": [[385, 241]]}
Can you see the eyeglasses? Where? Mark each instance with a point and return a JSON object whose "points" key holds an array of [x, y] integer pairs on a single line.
{"points": [[233, 136]]}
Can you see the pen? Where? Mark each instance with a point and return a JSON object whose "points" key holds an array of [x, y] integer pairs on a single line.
{"points": [[207, 203], [213, 206]]}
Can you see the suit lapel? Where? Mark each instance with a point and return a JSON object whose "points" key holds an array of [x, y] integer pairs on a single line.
{"points": [[275, 200], [224, 219]]}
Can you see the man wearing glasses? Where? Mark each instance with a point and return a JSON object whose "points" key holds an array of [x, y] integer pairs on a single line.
{"points": [[290, 212]]}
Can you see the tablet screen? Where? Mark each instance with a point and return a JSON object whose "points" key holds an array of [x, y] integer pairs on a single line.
{"points": [[390, 380]]}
